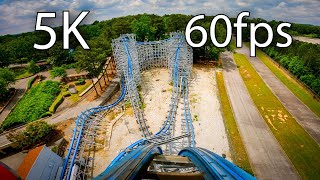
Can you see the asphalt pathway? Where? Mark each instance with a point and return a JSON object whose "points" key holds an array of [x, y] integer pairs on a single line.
{"points": [[304, 116], [265, 154], [71, 112]]}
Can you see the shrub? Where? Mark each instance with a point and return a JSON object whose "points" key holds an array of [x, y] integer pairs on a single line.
{"points": [[66, 94], [34, 104], [33, 67], [69, 66], [46, 114], [35, 133], [56, 104], [6, 78], [58, 72], [31, 81], [55, 149], [80, 82]]}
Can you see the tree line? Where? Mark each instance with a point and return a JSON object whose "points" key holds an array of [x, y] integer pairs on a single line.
{"points": [[150, 27], [302, 59]]}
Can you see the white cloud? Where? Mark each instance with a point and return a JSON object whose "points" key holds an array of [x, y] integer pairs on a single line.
{"points": [[20, 16]]}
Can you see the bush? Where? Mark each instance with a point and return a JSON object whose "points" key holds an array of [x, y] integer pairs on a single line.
{"points": [[46, 114], [66, 94], [80, 82], [33, 67], [6, 78], [56, 104], [55, 149], [34, 104], [58, 72], [69, 66], [31, 81], [34, 134]]}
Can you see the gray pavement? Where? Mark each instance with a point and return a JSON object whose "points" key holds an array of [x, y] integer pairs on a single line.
{"points": [[14, 160], [73, 111], [303, 115], [265, 154]]}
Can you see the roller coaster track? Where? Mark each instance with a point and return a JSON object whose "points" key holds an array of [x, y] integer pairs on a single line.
{"points": [[84, 122], [134, 95], [132, 160]]}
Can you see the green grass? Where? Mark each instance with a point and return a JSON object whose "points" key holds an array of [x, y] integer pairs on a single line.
{"points": [[292, 85], [301, 149], [238, 151], [24, 75], [54, 106], [33, 105], [81, 88]]}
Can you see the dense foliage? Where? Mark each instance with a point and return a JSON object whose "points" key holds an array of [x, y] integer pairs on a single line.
{"points": [[33, 105], [302, 59], [7, 77], [31, 81], [35, 133], [33, 67], [58, 72], [19, 48]]}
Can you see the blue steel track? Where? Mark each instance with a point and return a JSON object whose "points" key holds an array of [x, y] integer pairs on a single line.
{"points": [[130, 161]]}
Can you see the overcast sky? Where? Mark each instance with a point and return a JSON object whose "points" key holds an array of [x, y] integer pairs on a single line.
{"points": [[18, 16]]}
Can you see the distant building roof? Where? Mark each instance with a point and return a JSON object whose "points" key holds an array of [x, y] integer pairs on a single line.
{"points": [[40, 163]]}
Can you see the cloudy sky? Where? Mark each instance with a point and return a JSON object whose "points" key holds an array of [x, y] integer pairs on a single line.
{"points": [[18, 16]]}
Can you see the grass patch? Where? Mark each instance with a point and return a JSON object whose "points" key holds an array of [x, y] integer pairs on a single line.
{"points": [[291, 84], [301, 149], [56, 103], [33, 105], [239, 154], [81, 88], [24, 75], [31, 81], [74, 98]]}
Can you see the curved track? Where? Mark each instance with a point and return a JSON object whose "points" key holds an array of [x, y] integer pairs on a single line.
{"points": [[135, 159]]}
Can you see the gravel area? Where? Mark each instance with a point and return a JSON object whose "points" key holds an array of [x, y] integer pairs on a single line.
{"points": [[205, 109], [156, 93], [124, 133]]}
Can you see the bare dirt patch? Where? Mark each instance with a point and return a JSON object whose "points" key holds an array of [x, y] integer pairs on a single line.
{"points": [[205, 109], [156, 92], [124, 133]]}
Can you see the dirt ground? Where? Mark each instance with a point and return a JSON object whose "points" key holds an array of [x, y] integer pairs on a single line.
{"points": [[124, 133], [156, 92], [205, 109]]}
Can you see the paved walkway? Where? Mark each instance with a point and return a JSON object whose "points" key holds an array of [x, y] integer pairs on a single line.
{"points": [[73, 111], [304, 116], [266, 156]]}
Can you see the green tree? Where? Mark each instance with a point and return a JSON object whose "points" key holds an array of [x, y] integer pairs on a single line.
{"points": [[214, 53], [143, 29], [35, 133], [92, 60], [7, 77], [59, 56], [33, 67], [58, 72]]}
